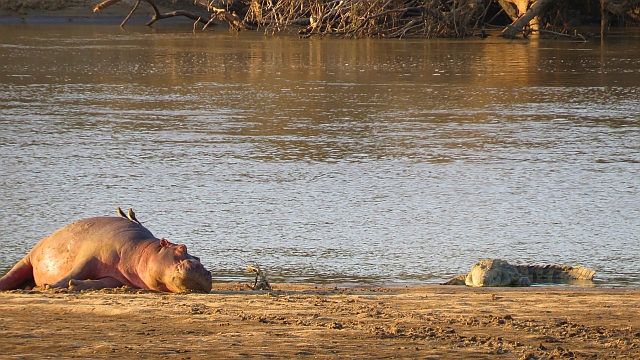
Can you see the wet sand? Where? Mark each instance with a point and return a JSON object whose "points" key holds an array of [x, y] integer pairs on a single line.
{"points": [[296, 321]]}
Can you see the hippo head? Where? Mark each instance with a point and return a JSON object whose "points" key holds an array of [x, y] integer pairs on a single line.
{"points": [[180, 272]]}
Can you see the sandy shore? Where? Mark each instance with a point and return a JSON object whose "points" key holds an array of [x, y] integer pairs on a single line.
{"points": [[432, 322]]}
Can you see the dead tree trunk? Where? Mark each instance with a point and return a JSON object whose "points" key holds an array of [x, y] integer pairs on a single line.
{"points": [[509, 9], [510, 31]]}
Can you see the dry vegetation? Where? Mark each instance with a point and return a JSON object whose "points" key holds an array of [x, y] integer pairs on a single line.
{"points": [[366, 18]]}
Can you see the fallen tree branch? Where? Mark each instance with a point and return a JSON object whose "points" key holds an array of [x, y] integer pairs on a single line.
{"points": [[535, 10], [400, 33], [104, 4], [159, 16], [484, 14], [572, 37], [130, 13], [557, 34]]}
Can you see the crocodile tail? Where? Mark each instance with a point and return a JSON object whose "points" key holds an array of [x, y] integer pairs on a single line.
{"points": [[458, 280], [581, 273], [551, 273]]}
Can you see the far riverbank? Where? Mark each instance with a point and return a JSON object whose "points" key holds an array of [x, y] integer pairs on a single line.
{"points": [[39, 11]]}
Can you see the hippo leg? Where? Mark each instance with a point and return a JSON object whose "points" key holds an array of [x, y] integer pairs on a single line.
{"points": [[20, 276], [81, 270], [106, 282]]}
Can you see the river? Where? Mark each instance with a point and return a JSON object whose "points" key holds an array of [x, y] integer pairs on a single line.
{"points": [[326, 160]]}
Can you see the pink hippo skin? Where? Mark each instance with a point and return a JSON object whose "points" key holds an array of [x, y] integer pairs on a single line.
{"points": [[107, 252]]}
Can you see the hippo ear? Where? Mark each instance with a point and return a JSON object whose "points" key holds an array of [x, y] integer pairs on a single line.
{"points": [[164, 243], [182, 249]]}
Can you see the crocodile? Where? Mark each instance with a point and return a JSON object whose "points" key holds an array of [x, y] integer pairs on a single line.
{"points": [[496, 272]]}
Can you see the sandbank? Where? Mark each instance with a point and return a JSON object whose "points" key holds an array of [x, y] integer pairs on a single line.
{"points": [[306, 321]]}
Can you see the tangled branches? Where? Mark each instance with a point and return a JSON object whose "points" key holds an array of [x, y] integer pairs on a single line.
{"points": [[383, 18], [366, 18]]}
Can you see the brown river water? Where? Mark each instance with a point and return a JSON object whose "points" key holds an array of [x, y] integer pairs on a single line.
{"points": [[326, 160]]}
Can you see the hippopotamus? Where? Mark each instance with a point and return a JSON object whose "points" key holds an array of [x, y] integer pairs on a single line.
{"points": [[108, 252]]}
